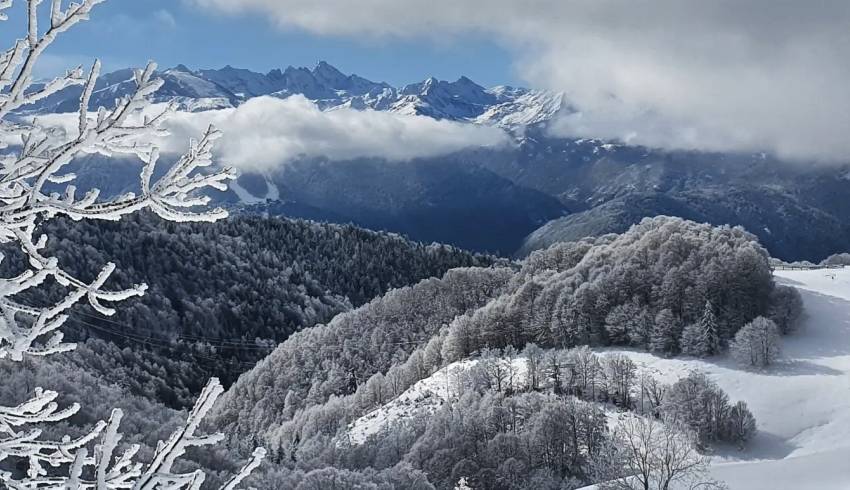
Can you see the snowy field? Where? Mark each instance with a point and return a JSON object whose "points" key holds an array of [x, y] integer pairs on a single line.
{"points": [[802, 404]]}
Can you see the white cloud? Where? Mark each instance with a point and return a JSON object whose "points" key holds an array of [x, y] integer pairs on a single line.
{"points": [[266, 132], [718, 75], [165, 19]]}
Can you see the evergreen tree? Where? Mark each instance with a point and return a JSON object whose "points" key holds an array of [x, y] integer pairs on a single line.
{"points": [[710, 331], [702, 339]]}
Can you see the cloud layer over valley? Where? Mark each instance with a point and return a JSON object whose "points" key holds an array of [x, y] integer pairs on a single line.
{"points": [[267, 132], [725, 75]]}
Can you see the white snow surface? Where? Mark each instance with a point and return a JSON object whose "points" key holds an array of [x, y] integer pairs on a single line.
{"points": [[802, 404], [245, 196], [424, 397]]}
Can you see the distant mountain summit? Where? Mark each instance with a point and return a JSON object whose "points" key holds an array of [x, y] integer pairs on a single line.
{"points": [[329, 88], [512, 199]]}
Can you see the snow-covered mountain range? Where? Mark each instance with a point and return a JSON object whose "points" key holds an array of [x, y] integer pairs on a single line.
{"points": [[329, 88], [509, 199]]}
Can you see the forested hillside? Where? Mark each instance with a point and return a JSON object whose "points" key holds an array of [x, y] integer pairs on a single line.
{"points": [[666, 285], [222, 295]]}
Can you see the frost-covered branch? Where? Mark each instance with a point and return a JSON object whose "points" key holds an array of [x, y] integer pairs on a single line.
{"points": [[29, 178], [103, 469]]}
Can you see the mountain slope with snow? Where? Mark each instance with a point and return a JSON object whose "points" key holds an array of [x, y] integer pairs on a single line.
{"points": [[802, 404], [552, 188], [329, 88]]}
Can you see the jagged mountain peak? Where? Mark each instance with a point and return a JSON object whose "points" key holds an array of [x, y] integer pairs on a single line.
{"points": [[181, 68], [329, 87], [324, 69]]}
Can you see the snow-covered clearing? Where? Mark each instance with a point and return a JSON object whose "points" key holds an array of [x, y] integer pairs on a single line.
{"points": [[802, 404]]}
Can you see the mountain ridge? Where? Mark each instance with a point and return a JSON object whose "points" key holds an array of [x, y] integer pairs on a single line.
{"points": [[329, 88], [493, 200]]}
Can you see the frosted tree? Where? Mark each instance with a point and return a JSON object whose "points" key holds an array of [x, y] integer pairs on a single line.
{"points": [[691, 341], [710, 331], [620, 372], [33, 189], [740, 424], [653, 454], [664, 332], [786, 308], [757, 343], [533, 366], [702, 338], [462, 485], [619, 323]]}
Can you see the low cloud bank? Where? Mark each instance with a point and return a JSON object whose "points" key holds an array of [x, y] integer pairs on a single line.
{"points": [[266, 132]]}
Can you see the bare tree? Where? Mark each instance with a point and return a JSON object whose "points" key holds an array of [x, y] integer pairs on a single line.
{"points": [[650, 454]]}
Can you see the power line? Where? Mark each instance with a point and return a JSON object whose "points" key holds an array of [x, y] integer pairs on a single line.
{"points": [[215, 342], [159, 344]]}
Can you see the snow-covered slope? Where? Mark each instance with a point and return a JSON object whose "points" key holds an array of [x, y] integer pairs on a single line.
{"points": [[802, 404], [424, 397]]}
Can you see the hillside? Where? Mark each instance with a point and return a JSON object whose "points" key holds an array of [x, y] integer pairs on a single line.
{"points": [[387, 383], [801, 404], [222, 295]]}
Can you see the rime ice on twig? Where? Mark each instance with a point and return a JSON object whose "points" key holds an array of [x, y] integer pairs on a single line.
{"points": [[25, 204]]}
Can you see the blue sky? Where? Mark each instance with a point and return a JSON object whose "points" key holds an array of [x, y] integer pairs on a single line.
{"points": [[129, 32]]}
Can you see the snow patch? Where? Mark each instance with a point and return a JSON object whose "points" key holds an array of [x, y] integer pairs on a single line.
{"points": [[424, 397]]}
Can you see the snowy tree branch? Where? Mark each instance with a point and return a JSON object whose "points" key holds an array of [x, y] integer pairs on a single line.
{"points": [[25, 204]]}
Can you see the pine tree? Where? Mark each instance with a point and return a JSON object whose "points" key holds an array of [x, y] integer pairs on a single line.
{"points": [[709, 330], [701, 339]]}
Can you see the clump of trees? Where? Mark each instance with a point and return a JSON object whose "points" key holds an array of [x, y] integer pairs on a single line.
{"points": [[328, 361], [645, 288], [839, 259], [504, 389], [252, 283], [757, 344], [666, 285], [700, 405]]}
